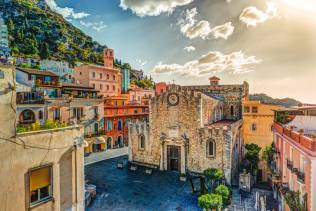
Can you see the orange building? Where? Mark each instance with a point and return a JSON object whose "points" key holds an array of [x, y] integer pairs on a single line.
{"points": [[105, 79], [118, 111]]}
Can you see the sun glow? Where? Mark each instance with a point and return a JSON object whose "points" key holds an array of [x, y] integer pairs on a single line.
{"points": [[306, 5]]}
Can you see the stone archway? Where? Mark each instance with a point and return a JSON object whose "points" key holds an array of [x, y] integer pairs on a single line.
{"points": [[120, 141]]}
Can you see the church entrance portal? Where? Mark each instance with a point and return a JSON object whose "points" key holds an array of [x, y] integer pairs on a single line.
{"points": [[174, 158]]}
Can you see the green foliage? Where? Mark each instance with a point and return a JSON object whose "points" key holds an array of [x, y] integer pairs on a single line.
{"points": [[267, 154], [282, 118], [292, 198], [213, 174], [44, 53], [34, 30], [210, 201], [145, 83], [49, 124], [223, 191], [252, 156]]}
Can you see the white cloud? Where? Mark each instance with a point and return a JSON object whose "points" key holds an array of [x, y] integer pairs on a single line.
{"points": [[252, 16], [98, 26], [223, 31], [141, 63], [152, 7], [189, 48], [66, 12], [192, 28], [212, 62]]}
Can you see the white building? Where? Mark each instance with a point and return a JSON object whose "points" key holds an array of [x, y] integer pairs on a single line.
{"points": [[60, 68], [4, 43]]}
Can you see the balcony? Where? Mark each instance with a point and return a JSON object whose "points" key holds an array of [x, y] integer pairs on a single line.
{"points": [[289, 164], [300, 177], [95, 134], [23, 98]]}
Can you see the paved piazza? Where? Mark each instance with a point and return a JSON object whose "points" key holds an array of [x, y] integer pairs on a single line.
{"points": [[121, 189]]}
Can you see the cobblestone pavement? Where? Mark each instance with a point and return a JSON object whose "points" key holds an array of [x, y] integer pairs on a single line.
{"points": [[247, 202], [108, 154], [121, 189]]}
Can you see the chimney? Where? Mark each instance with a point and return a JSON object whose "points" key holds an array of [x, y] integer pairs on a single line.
{"points": [[108, 58], [214, 80]]}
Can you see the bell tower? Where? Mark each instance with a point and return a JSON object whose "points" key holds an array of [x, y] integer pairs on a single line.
{"points": [[108, 57]]}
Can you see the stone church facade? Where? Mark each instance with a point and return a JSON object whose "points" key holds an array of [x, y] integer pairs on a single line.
{"points": [[192, 128]]}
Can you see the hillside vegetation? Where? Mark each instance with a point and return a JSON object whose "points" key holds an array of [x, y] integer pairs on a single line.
{"points": [[37, 31]]}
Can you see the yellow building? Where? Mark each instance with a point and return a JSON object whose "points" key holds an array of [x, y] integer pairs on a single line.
{"points": [[258, 119]]}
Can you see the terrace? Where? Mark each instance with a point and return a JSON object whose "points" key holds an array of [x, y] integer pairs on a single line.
{"points": [[30, 98]]}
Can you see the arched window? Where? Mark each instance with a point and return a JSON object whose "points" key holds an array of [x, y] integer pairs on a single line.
{"points": [[109, 143], [210, 148], [40, 114], [119, 126], [27, 116], [232, 110], [120, 142], [141, 142]]}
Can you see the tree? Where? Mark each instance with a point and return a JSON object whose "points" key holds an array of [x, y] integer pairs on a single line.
{"points": [[213, 176], [267, 154], [44, 53], [10, 25], [223, 191], [252, 156], [292, 199], [210, 201], [30, 47]]}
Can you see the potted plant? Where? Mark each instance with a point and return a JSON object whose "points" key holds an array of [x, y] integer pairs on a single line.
{"points": [[183, 177]]}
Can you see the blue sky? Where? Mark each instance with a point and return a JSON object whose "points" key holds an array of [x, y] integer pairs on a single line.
{"points": [[271, 44]]}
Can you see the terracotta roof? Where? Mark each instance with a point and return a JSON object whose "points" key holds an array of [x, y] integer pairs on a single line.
{"points": [[36, 72], [214, 78]]}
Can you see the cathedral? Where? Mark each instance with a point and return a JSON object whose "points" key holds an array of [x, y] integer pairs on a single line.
{"points": [[192, 128]]}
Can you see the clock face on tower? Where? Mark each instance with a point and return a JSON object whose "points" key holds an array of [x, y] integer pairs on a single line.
{"points": [[173, 99]]}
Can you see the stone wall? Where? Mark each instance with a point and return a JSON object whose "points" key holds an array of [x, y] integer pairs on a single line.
{"points": [[189, 125]]}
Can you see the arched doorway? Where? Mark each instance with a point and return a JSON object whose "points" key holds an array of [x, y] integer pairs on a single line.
{"points": [[120, 141], [109, 143], [27, 117]]}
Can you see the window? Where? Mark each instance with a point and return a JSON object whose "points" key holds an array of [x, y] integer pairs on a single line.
{"points": [[109, 125], [40, 114], [100, 75], [253, 126], [232, 111], [246, 109], [101, 87], [80, 73], [138, 98], [93, 74], [210, 148], [113, 77], [93, 86], [119, 127], [254, 109], [113, 88], [56, 114], [108, 76], [141, 142], [40, 189]]}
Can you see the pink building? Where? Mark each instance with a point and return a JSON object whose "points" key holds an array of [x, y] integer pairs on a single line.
{"points": [[295, 161], [138, 95], [105, 79]]}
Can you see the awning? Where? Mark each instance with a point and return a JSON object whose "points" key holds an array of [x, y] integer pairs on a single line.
{"points": [[99, 140], [85, 143]]}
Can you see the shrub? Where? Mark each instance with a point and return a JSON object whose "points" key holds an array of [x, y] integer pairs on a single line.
{"points": [[213, 174], [223, 191], [210, 201]]}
